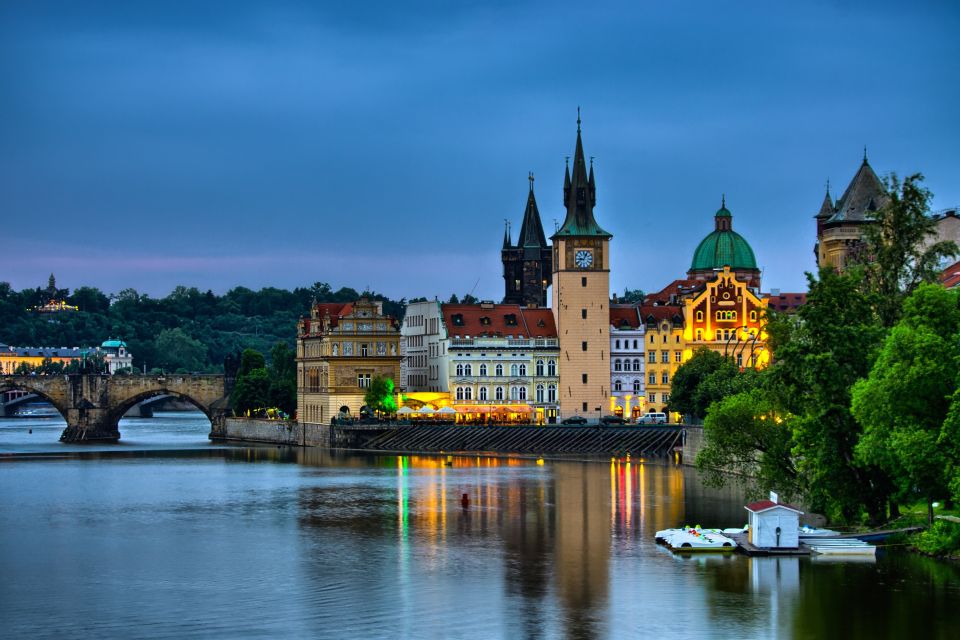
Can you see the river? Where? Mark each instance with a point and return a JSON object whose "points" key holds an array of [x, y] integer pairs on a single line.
{"points": [[166, 535]]}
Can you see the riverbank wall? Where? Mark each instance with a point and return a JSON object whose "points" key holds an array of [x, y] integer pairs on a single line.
{"points": [[693, 442], [260, 431]]}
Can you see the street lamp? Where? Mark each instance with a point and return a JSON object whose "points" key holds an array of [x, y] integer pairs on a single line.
{"points": [[735, 334]]}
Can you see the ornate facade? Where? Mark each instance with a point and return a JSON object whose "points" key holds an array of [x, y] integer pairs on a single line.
{"points": [[341, 347], [627, 395]]}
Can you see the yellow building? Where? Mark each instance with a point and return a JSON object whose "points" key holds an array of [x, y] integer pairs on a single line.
{"points": [[664, 350], [341, 347], [13, 357], [581, 297]]}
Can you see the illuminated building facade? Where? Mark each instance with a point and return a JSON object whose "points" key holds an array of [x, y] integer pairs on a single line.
{"points": [[114, 353], [581, 296], [341, 348], [527, 266], [663, 337], [423, 341], [627, 366]]}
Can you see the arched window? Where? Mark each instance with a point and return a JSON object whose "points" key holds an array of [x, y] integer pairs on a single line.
{"points": [[733, 315], [499, 370], [617, 365], [636, 385], [552, 393], [552, 368], [617, 385], [498, 393], [483, 369], [523, 393], [514, 393], [523, 369], [513, 370], [482, 393], [699, 316], [467, 393], [651, 338], [634, 344], [539, 393], [459, 369], [753, 316], [468, 370], [636, 364], [699, 335], [539, 367], [459, 393], [618, 344]]}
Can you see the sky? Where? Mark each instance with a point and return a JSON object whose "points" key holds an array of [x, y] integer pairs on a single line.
{"points": [[381, 145]]}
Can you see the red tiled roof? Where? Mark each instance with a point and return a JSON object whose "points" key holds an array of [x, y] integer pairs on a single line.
{"points": [[660, 312], [950, 277], [624, 315], [763, 505], [663, 296], [787, 301], [501, 320]]}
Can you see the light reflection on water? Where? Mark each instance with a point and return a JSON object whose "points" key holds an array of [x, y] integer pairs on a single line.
{"points": [[168, 536]]}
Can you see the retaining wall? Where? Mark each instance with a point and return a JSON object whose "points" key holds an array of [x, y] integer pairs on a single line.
{"points": [[274, 432], [692, 444]]}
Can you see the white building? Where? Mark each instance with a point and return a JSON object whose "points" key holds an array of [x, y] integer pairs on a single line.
{"points": [[773, 524], [116, 354], [423, 344], [627, 388]]}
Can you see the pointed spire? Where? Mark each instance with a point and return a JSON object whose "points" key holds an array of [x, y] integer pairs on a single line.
{"points": [[593, 185], [865, 155], [531, 231], [723, 201], [579, 197], [826, 207], [506, 234]]}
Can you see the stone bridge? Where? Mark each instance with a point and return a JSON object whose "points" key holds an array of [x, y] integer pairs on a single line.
{"points": [[92, 405]]}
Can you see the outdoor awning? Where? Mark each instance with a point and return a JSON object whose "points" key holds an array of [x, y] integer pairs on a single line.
{"points": [[402, 411]]}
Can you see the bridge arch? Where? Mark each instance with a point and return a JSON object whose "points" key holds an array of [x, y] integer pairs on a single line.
{"points": [[23, 383], [118, 410]]}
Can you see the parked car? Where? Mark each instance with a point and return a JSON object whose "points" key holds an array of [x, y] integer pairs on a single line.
{"points": [[612, 420], [652, 418], [574, 420]]}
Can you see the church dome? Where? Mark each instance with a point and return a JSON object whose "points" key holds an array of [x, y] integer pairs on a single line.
{"points": [[723, 247]]}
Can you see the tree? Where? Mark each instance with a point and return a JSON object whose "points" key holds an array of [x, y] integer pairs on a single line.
{"points": [[251, 391], [250, 359], [686, 395], [899, 253], [632, 296], [379, 395], [177, 351], [283, 378], [904, 402]]}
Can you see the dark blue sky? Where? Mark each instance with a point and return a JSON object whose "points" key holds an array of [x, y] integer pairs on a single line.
{"points": [[381, 144]]}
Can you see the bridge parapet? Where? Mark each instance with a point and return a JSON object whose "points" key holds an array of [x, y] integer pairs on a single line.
{"points": [[93, 404]]}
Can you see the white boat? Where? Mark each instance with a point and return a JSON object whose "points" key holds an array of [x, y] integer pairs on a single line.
{"points": [[842, 547], [813, 532], [695, 539]]}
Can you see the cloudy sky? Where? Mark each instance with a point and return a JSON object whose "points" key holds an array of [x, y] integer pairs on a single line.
{"points": [[382, 144]]}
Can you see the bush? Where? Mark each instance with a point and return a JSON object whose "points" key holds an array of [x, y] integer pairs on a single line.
{"points": [[942, 538]]}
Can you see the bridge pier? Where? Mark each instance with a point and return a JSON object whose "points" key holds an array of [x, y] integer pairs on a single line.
{"points": [[89, 424]]}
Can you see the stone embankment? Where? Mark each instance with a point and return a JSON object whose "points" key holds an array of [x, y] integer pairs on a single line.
{"points": [[692, 444], [273, 432]]}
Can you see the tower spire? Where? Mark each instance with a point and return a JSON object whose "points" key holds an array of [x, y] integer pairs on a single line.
{"points": [[580, 196], [865, 155], [506, 234]]}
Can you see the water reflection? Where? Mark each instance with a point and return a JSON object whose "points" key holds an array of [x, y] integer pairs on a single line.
{"points": [[277, 542]]}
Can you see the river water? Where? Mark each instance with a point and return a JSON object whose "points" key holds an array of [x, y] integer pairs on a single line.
{"points": [[168, 536]]}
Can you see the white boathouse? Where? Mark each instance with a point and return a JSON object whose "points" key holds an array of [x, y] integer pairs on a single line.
{"points": [[773, 524]]}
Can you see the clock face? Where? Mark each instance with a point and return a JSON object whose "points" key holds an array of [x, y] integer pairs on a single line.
{"points": [[583, 258]]}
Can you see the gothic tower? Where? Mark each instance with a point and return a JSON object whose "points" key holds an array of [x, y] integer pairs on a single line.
{"points": [[581, 295], [527, 267]]}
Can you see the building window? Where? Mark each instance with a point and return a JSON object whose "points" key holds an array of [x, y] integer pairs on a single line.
{"points": [[482, 393], [739, 359], [634, 344], [459, 393], [753, 316], [459, 369], [618, 344], [364, 350], [651, 338], [583, 282], [539, 394], [584, 407], [468, 369], [552, 368], [498, 393], [523, 393], [514, 393], [523, 369], [636, 385], [665, 357], [665, 377], [552, 393], [652, 378], [539, 368], [583, 345], [664, 397], [584, 378], [483, 369], [513, 370], [363, 380], [699, 335], [636, 364], [699, 316], [617, 385], [652, 357], [498, 371], [651, 397], [617, 365], [583, 313], [467, 393], [678, 356]]}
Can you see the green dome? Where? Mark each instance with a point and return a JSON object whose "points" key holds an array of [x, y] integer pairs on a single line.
{"points": [[113, 344], [721, 249]]}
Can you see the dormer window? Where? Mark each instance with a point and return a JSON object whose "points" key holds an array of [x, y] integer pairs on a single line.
{"points": [[485, 320], [510, 319], [457, 319]]}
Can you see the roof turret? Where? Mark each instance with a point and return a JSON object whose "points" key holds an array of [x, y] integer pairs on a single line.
{"points": [[579, 195], [531, 231]]}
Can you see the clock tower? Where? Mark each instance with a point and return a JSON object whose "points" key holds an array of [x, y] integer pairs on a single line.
{"points": [[581, 296]]}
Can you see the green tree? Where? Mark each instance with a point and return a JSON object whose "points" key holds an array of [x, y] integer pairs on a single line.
{"points": [[686, 392], [379, 395], [177, 351], [899, 251], [904, 402], [251, 391], [283, 378], [632, 296], [250, 359]]}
